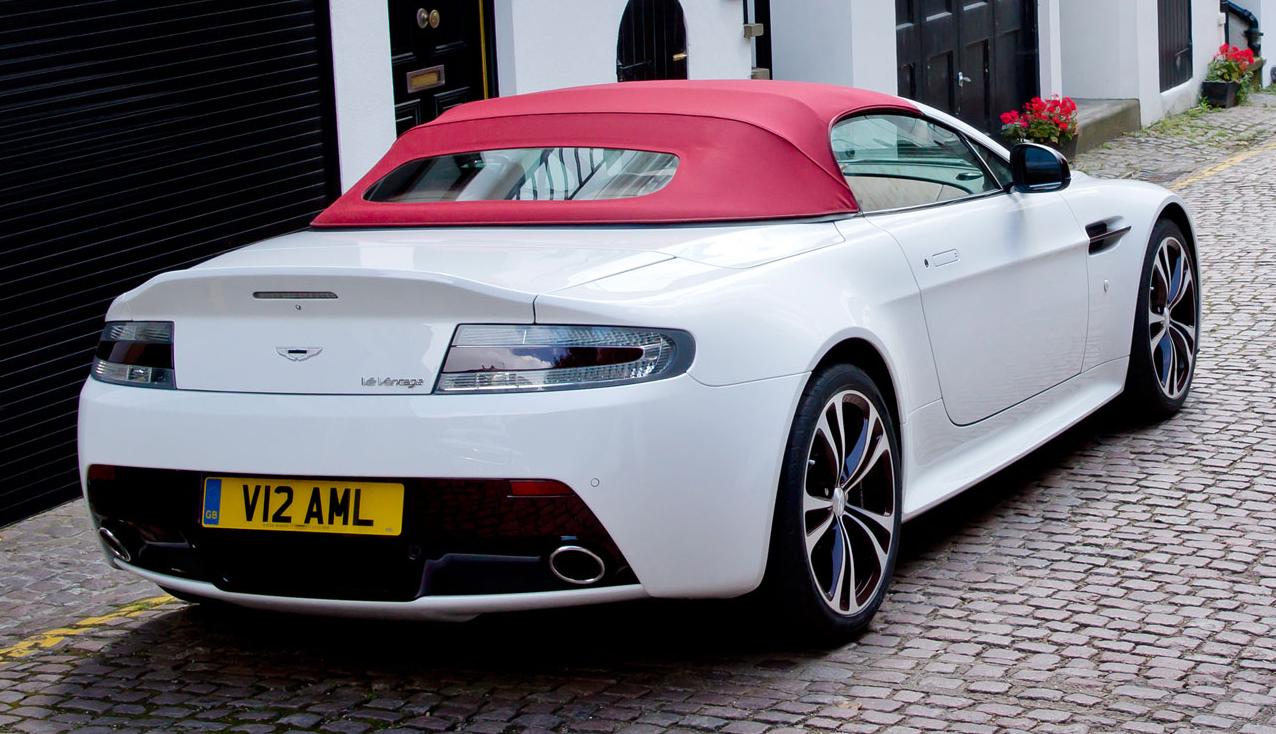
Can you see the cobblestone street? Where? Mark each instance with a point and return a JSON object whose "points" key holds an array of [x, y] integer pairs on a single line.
{"points": [[1121, 578]]}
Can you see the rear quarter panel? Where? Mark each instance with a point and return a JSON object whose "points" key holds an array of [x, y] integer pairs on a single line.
{"points": [[776, 319]]}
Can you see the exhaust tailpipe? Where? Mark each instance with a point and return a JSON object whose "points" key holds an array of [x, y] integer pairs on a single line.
{"points": [[115, 545], [577, 565]]}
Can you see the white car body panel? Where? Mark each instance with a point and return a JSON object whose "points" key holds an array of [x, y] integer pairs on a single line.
{"points": [[1005, 310], [947, 458], [1113, 292], [655, 462], [805, 305], [989, 356]]}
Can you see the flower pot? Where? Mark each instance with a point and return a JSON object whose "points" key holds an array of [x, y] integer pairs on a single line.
{"points": [[1220, 94], [1067, 147]]}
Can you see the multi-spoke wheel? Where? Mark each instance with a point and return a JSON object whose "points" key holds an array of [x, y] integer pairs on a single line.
{"points": [[838, 511], [1166, 325]]}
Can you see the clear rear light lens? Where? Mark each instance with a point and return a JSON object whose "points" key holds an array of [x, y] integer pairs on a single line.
{"points": [[528, 358], [136, 353]]}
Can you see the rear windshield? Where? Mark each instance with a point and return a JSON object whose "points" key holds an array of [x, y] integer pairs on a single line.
{"points": [[528, 174]]}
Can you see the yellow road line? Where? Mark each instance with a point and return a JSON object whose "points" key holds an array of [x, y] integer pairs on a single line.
{"points": [[1217, 168], [49, 638]]}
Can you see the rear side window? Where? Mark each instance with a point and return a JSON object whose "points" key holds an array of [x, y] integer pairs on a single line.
{"points": [[528, 174], [896, 161]]}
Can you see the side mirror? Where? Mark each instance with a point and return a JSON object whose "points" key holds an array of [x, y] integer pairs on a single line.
{"points": [[1037, 168]]}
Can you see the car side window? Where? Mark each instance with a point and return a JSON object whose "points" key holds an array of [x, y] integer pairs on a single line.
{"points": [[897, 161], [998, 165]]}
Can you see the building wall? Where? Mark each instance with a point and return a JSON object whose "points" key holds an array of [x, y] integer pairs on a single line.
{"points": [[1119, 59], [576, 44], [1207, 34], [1265, 10], [362, 85], [1049, 49], [848, 42], [535, 50]]}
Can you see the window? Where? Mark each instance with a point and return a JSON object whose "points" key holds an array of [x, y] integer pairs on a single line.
{"points": [[528, 174], [1174, 33], [995, 163], [893, 161]]}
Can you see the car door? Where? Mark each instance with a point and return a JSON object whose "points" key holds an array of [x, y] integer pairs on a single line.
{"points": [[1002, 274]]}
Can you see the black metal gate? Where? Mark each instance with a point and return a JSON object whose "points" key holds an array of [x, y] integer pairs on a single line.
{"points": [[136, 138], [972, 58], [1174, 26], [652, 42]]}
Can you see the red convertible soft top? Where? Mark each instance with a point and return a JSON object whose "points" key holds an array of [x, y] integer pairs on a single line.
{"points": [[747, 149]]}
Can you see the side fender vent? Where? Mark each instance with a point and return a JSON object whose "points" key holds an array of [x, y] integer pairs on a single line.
{"points": [[1104, 236]]}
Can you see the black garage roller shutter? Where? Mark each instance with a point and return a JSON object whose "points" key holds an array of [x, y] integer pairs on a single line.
{"points": [[136, 137]]}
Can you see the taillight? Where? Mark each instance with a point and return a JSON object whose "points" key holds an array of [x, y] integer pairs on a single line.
{"points": [[136, 353], [517, 358]]}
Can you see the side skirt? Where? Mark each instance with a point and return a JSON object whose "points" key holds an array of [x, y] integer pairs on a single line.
{"points": [[947, 458]]}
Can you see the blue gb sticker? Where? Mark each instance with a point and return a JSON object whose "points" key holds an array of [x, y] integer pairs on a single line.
{"points": [[212, 500]]}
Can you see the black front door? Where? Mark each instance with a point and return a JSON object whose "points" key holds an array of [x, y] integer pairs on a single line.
{"points": [[972, 58], [440, 55]]}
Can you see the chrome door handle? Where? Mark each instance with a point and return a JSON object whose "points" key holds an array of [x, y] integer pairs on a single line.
{"points": [[962, 79]]}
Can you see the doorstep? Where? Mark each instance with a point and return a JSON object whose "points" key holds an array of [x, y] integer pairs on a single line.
{"points": [[1101, 120]]}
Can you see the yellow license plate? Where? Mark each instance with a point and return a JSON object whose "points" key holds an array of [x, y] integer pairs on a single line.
{"points": [[303, 505]]}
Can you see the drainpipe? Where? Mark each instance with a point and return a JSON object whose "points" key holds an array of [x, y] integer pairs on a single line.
{"points": [[1253, 36]]}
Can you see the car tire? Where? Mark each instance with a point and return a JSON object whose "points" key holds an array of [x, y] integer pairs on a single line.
{"points": [[1166, 335], [825, 509]]}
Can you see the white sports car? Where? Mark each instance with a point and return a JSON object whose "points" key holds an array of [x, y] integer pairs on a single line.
{"points": [[666, 339]]}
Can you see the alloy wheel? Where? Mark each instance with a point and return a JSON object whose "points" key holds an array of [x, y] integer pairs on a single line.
{"points": [[848, 502], [1172, 317]]}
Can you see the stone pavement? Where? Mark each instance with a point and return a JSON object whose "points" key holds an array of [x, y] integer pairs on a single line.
{"points": [[1122, 578]]}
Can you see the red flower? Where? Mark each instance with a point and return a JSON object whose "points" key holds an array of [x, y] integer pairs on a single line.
{"points": [[1053, 118]]}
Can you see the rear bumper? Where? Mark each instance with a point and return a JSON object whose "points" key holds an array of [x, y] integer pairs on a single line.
{"points": [[442, 608], [680, 475]]}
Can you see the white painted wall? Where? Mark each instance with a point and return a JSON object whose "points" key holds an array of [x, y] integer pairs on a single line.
{"points": [[1119, 58], [538, 46], [1050, 53], [574, 42], [1100, 60], [362, 85], [1266, 12], [848, 42], [716, 46]]}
